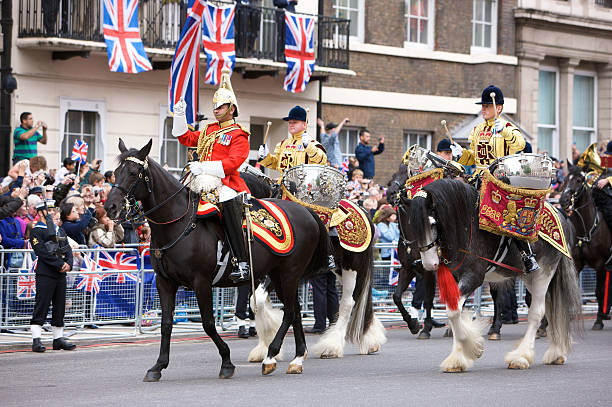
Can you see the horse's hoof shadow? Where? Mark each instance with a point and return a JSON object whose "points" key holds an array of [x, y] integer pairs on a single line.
{"points": [[152, 377]]}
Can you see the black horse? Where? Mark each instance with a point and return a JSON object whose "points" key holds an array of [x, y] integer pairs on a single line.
{"points": [[592, 233], [443, 226], [184, 252], [411, 265], [356, 320]]}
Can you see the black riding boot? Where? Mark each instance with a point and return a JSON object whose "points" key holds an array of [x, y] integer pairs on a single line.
{"points": [[527, 255], [232, 224]]}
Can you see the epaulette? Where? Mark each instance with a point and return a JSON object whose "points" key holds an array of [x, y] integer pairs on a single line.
{"points": [[244, 129]]}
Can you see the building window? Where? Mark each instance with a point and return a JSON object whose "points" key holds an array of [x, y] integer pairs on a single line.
{"points": [[349, 138], [421, 138], [83, 120], [353, 10], [484, 26], [172, 153], [255, 140], [419, 17], [547, 112], [584, 111]]}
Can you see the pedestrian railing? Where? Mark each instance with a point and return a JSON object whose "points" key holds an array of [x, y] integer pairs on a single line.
{"points": [[117, 286]]}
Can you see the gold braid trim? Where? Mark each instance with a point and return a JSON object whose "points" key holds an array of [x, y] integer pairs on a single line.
{"points": [[436, 174], [488, 177], [205, 143]]}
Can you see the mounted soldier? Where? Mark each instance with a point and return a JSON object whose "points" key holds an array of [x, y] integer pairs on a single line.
{"points": [[493, 139], [222, 147], [600, 177]]}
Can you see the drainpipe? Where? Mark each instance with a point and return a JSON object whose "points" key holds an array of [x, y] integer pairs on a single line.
{"points": [[7, 85]]}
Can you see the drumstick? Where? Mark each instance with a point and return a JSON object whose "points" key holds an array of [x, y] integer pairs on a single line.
{"points": [[492, 94], [267, 130], [307, 111], [443, 123]]}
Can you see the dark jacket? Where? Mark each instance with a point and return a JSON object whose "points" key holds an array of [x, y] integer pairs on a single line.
{"points": [[74, 229], [52, 250], [365, 157]]}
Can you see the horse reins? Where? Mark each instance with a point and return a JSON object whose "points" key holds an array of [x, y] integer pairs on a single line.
{"points": [[596, 222]]}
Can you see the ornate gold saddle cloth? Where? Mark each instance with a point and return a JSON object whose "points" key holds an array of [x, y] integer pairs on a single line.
{"points": [[519, 213], [351, 222]]}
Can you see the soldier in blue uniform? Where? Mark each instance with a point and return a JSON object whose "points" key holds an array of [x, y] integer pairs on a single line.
{"points": [[54, 260]]}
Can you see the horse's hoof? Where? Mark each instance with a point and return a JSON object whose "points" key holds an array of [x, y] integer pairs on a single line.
{"points": [[424, 335], [520, 364], [414, 326], [541, 333], [454, 370], [494, 336], [448, 333], [559, 361], [597, 326], [152, 376], [266, 369], [329, 355], [226, 372], [294, 369], [373, 349]]}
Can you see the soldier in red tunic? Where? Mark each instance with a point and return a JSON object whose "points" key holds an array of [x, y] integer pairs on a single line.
{"points": [[222, 147]]}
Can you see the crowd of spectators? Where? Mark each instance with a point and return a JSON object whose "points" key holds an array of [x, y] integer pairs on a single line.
{"points": [[79, 192]]}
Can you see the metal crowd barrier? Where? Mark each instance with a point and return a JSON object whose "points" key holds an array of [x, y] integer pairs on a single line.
{"points": [[126, 295]]}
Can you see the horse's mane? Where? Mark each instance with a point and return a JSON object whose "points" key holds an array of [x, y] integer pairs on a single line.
{"points": [[454, 205]]}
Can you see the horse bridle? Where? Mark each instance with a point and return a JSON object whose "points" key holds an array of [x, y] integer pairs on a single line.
{"points": [[410, 243], [574, 198], [130, 203]]}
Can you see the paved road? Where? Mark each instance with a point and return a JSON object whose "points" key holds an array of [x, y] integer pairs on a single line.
{"points": [[404, 373]]}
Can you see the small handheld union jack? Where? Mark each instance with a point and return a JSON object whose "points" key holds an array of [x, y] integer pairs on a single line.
{"points": [[395, 263], [79, 151]]}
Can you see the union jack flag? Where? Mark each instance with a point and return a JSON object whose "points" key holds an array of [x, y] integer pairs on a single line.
{"points": [[218, 38], [26, 285], [122, 35], [90, 282], [79, 151], [186, 62], [345, 165], [299, 51], [395, 263], [119, 261]]}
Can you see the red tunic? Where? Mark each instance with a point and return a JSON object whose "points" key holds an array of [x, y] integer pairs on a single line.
{"points": [[231, 148]]}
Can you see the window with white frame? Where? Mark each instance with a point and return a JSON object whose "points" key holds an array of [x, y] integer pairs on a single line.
{"points": [[353, 10], [548, 127], [83, 120], [348, 138], [585, 105], [172, 153], [484, 26], [419, 17], [421, 138]]}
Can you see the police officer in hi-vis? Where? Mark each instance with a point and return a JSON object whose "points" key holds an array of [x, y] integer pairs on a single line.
{"points": [[492, 139], [54, 260]]}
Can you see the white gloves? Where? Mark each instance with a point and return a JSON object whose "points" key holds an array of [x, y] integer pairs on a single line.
{"points": [[499, 126], [207, 167], [456, 149], [179, 122], [306, 139], [263, 151]]}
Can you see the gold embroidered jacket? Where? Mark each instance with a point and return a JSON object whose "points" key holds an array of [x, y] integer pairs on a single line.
{"points": [[291, 152], [484, 148]]}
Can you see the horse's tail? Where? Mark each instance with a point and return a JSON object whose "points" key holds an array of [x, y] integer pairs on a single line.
{"points": [[363, 313], [564, 305], [320, 259]]}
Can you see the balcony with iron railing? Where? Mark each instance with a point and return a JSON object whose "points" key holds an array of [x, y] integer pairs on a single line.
{"points": [[259, 30]]}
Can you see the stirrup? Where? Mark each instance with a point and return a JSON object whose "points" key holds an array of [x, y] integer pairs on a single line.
{"points": [[529, 262], [241, 272], [331, 263]]}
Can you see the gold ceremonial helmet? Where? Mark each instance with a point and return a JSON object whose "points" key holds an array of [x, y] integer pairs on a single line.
{"points": [[225, 93], [590, 160]]}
